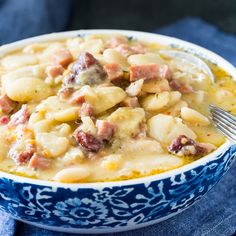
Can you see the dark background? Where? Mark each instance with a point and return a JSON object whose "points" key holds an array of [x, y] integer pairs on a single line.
{"points": [[147, 15], [26, 18]]}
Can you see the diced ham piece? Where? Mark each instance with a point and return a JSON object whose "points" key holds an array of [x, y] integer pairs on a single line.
{"points": [[66, 92], [127, 50], [87, 141], [139, 48], [135, 88], [84, 61], [4, 120], [6, 104], [23, 157], [121, 82], [184, 146], [164, 72], [179, 86], [117, 40], [86, 110], [63, 57], [39, 162], [106, 130], [120, 43], [208, 147], [54, 71], [20, 117], [131, 102], [114, 71], [78, 97], [86, 71], [149, 71]]}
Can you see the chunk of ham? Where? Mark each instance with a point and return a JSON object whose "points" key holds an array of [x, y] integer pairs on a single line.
{"points": [[86, 71], [62, 57], [105, 130], [20, 117], [66, 92], [86, 110], [114, 71], [88, 142], [84, 62], [208, 147], [78, 97], [127, 50], [39, 162], [4, 120], [116, 40], [131, 102], [181, 87], [54, 71], [6, 104], [121, 82], [149, 71], [135, 88], [184, 146], [23, 157]]}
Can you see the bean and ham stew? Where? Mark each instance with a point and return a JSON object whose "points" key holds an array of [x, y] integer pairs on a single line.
{"points": [[106, 108]]}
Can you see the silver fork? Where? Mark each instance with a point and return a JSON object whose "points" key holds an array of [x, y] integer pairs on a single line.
{"points": [[224, 121]]}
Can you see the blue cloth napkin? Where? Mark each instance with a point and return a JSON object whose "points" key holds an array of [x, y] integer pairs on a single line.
{"points": [[215, 214], [26, 18]]}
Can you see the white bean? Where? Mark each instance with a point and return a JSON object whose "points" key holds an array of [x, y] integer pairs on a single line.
{"points": [[47, 55], [54, 145], [74, 156], [43, 126], [174, 98], [156, 86], [88, 125], [110, 96], [127, 120], [112, 162], [27, 89], [112, 56], [35, 47], [165, 128], [16, 61], [94, 46], [74, 46], [142, 59], [194, 116], [58, 110], [72, 174], [156, 102], [37, 71], [63, 129], [36, 117], [66, 115]]}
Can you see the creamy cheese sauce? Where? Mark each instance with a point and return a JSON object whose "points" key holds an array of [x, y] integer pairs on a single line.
{"points": [[105, 108]]}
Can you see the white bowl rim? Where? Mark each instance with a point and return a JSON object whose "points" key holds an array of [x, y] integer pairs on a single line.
{"points": [[152, 37]]}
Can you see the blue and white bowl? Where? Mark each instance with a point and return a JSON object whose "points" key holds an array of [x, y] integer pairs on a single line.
{"points": [[122, 205]]}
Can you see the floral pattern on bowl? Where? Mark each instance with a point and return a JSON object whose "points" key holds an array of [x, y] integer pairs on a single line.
{"points": [[111, 207]]}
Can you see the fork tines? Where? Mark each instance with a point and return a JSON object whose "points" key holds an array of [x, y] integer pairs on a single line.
{"points": [[224, 121]]}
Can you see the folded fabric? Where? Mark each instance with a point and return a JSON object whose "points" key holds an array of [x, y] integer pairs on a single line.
{"points": [[27, 18], [7, 225], [215, 214], [198, 31]]}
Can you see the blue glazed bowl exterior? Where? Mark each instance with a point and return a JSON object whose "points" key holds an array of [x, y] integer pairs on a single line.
{"points": [[111, 208]]}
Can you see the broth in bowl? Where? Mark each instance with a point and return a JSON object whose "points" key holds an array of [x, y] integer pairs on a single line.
{"points": [[106, 108]]}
